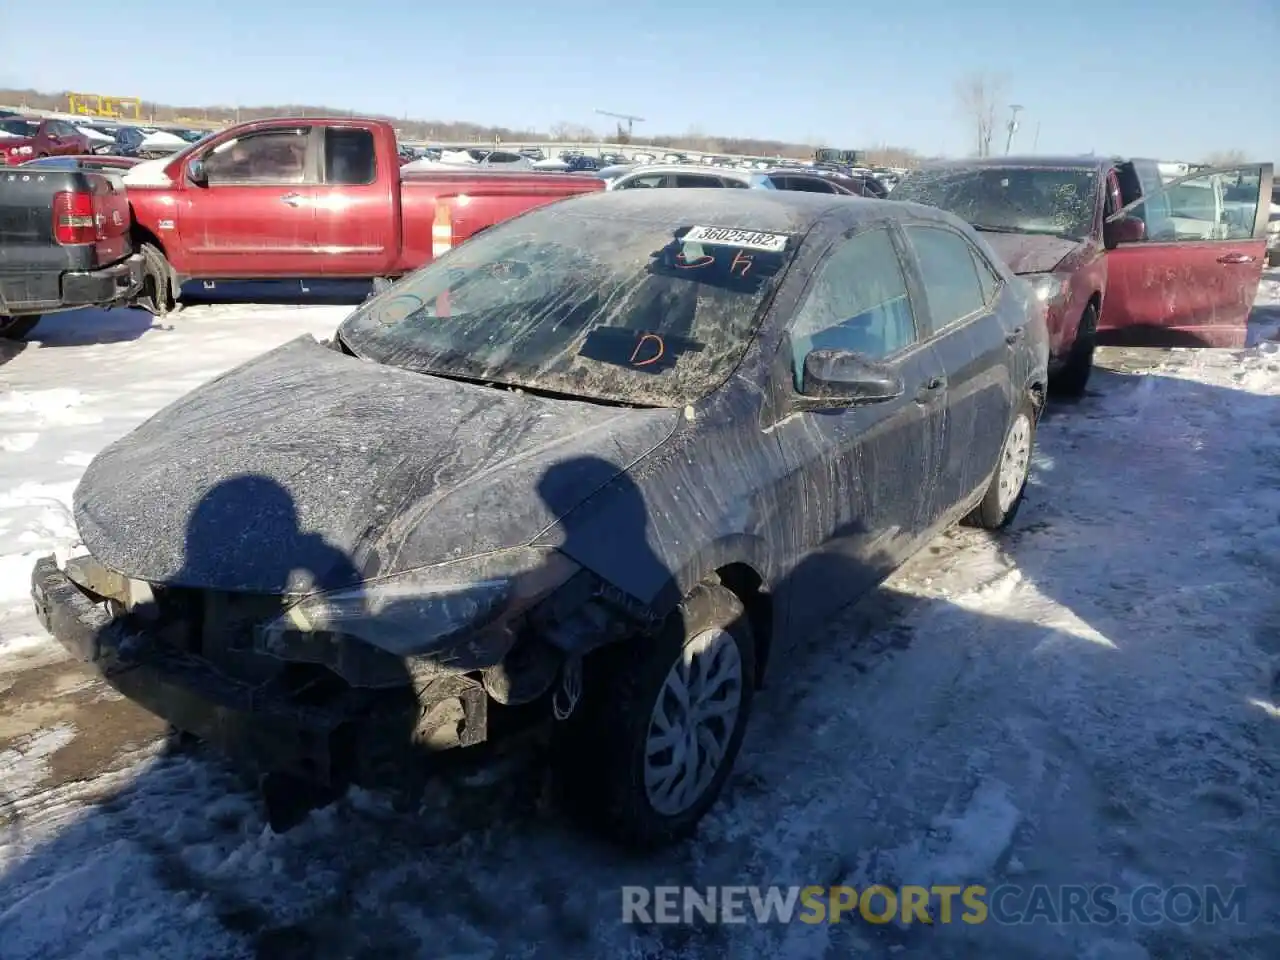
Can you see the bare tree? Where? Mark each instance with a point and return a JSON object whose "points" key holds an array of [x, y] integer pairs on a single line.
{"points": [[979, 95], [1226, 158]]}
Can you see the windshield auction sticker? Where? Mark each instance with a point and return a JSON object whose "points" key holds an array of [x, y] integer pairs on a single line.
{"points": [[729, 237]]}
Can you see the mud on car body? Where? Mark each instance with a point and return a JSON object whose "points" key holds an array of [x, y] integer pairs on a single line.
{"points": [[589, 474]]}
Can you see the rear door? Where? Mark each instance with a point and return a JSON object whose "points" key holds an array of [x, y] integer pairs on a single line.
{"points": [[1193, 278], [356, 217], [961, 292], [255, 219]]}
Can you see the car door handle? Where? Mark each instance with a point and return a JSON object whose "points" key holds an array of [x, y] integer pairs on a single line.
{"points": [[292, 199], [1015, 335], [931, 389], [1236, 258]]}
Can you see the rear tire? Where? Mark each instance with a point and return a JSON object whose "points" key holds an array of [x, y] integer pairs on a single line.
{"points": [[611, 754], [17, 328], [1072, 379], [1004, 496]]}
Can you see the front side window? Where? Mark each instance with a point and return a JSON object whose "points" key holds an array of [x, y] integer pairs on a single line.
{"points": [[949, 269], [642, 183], [1034, 200], [858, 302], [1214, 206], [272, 156], [652, 312]]}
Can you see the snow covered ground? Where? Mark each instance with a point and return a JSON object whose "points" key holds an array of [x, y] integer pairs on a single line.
{"points": [[1092, 699]]}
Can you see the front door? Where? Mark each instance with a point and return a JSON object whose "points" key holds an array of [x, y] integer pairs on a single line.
{"points": [[1192, 279], [961, 290], [859, 487], [255, 218]]}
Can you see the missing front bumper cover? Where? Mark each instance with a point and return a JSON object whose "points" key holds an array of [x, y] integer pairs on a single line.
{"points": [[347, 735]]}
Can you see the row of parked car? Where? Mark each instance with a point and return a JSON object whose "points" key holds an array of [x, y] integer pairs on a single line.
{"points": [[603, 465], [23, 138]]}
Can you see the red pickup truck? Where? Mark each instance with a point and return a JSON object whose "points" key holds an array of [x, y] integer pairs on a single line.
{"points": [[311, 197]]}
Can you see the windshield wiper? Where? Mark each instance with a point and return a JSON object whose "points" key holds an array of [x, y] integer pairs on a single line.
{"points": [[984, 228]]}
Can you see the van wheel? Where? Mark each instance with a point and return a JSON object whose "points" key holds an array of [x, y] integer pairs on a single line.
{"points": [[1074, 375], [1009, 482], [651, 744], [157, 296], [17, 328]]}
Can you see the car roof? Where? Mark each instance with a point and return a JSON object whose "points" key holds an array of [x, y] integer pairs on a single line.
{"points": [[695, 168], [776, 211]]}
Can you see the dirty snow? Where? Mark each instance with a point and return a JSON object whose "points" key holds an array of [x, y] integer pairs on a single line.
{"points": [[1094, 698]]}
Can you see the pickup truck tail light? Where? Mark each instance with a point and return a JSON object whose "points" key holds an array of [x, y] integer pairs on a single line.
{"points": [[442, 230], [75, 219]]}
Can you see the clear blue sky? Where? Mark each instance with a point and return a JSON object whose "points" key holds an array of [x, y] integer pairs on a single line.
{"points": [[1175, 79]]}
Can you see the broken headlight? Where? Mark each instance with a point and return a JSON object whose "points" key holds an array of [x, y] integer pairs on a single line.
{"points": [[422, 611]]}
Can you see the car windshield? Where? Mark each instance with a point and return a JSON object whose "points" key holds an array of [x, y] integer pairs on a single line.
{"points": [[633, 311], [19, 127], [1040, 200]]}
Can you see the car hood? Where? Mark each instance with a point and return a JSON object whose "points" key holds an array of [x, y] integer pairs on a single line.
{"points": [[309, 469], [1029, 253]]}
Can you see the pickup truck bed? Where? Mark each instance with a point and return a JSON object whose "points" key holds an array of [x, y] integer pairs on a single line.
{"points": [[64, 243]]}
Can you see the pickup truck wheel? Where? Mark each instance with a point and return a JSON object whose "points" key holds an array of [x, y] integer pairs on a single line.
{"points": [[157, 282], [1074, 375], [1009, 482], [653, 740], [17, 328]]}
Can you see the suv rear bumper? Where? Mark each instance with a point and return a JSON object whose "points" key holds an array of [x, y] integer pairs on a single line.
{"points": [[40, 293], [366, 738]]}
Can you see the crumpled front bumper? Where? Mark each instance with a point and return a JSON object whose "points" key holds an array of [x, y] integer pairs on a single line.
{"points": [[260, 728]]}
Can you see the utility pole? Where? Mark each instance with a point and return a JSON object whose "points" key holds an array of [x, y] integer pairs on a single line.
{"points": [[1012, 125]]}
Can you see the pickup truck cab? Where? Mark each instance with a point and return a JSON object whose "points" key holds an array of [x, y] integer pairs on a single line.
{"points": [[1117, 250], [314, 197]]}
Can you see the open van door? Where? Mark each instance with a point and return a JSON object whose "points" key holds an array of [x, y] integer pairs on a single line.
{"points": [[1185, 258]]}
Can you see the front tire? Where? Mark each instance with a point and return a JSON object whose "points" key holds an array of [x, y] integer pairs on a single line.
{"points": [[648, 750], [1008, 486], [17, 328], [1072, 379], [157, 282]]}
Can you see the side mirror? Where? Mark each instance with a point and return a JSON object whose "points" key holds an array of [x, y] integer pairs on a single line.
{"points": [[196, 173], [838, 377], [1124, 230]]}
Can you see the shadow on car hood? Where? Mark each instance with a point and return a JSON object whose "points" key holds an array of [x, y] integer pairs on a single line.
{"points": [[307, 469], [1030, 253]]}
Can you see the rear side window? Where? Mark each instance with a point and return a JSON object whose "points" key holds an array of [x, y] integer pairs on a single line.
{"points": [[697, 180], [803, 184], [949, 270], [349, 156]]}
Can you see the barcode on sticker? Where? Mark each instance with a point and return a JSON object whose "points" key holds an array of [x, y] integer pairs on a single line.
{"points": [[729, 237]]}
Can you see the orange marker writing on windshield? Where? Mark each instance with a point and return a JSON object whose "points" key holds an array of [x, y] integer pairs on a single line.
{"points": [[654, 339]]}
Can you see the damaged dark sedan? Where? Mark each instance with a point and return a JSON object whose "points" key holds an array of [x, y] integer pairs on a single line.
{"points": [[586, 478]]}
